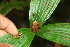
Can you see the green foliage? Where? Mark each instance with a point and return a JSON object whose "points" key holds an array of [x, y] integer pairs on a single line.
{"points": [[24, 40], [5, 8], [59, 33], [41, 10]]}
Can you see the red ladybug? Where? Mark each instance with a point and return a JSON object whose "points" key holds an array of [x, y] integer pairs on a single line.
{"points": [[35, 27]]}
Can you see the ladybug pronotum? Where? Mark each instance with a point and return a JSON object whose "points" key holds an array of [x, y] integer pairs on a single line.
{"points": [[35, 26]]}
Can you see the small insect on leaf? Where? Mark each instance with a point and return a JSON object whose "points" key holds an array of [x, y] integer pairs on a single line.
{"points": [[17, 36], [35, 27], [20, 34]]}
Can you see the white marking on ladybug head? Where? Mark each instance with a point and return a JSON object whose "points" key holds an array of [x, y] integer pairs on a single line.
{"points": [[35, 22]]}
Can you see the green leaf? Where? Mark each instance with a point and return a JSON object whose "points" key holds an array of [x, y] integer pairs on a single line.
{"points": [[59, 33], [8, 6], [24, 40], [40, 10]]}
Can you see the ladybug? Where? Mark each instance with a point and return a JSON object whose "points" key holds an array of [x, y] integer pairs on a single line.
{"points": [[35, 27]]}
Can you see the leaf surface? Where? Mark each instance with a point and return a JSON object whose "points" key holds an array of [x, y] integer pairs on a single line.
{"points": [[24, 40], [59, 33], [41, 10]]}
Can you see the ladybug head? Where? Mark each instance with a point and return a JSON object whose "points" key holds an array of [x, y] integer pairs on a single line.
{"points": [[35, 23]]}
